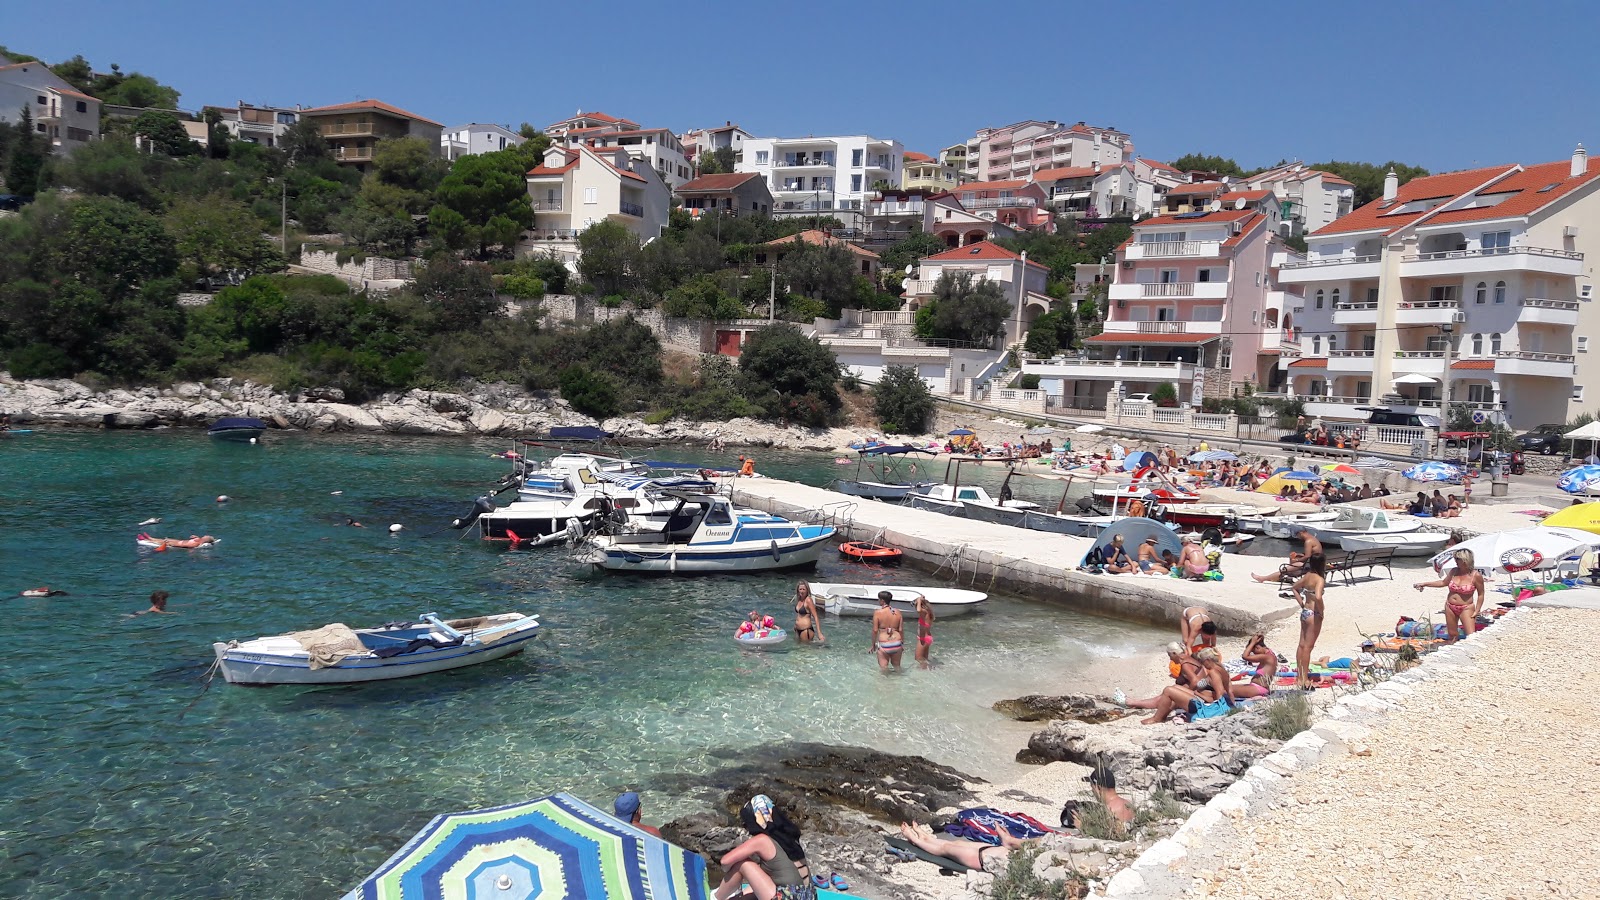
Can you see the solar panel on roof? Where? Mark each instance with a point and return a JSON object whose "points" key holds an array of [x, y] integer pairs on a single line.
{"points": [[1191, 215]]}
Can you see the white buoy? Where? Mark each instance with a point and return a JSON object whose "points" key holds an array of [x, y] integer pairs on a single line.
{"points": [[252, 440], [336, 493], [396, 528], [222, 498]]}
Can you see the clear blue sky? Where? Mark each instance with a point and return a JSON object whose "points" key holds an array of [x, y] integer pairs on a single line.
{"points": [[1445, 86]]}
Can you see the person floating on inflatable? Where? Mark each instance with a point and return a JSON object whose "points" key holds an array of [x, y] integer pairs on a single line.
{"points": [[756, 625]]}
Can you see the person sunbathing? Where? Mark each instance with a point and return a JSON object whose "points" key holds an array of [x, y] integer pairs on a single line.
{"points": [[972, 854], [194, 541], [1184, 669]]}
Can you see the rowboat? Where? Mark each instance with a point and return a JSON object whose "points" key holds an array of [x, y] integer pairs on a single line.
{"points": [[888, 490], [862, 599], [336, 654], [1407, 543]]}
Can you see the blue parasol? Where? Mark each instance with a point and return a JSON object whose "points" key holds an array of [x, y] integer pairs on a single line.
{"points": [[1432, 471], [1580, 480]]}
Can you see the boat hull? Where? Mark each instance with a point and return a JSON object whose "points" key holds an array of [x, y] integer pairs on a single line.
{"points": [[875, 490], [947, 507], [1404, 544], [862, 599], [242, 435], [495, 527], [244, 668], [1031, 519], [687, 559], [1286, 527]]}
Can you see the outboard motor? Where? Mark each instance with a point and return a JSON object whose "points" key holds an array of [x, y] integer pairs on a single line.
{"points": [[480, 506]]}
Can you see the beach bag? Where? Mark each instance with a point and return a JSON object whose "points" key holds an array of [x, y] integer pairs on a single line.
{"points": [[1215, 709]]}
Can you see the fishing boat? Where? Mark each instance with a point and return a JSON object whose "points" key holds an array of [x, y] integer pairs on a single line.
{"points": [[609, 494], [1286, 527], [1405, 543], [707, 534], [885, 489], [237, 429], [951, 499], [862, 599], [1362, 521], [336, 654], [1211, 515]]}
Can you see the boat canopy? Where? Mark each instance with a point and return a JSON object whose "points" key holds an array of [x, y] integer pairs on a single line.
{"points": [[891, 450], [578, 433], [237, 422], [634, 482]]}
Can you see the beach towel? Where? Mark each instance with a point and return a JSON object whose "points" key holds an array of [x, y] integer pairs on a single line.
{"points": [[991, 821]]}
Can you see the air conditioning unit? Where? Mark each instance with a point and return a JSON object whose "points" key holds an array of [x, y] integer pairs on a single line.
{"points": [[1570, 231], [1458, 317], [1127, 264]]}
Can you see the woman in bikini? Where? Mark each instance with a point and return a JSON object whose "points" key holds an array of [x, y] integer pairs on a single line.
{"points": [[924, 631], [1465, 590], [807, 624], [1307, 592], [1258, 654], [888, 633], [1198, 629]]}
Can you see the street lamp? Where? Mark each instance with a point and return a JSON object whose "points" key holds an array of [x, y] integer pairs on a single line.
{"points": [[1447, 330]]}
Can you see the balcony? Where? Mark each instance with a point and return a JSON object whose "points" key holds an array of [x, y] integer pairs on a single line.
{"points": [[352, 154], [799, 187], [1070, 369], [547, 205], [1348, 361], [803, 161], [1548, 312], [1362, 313], [1281, 258], [998, 202], [1542, 260], [1174, 249], [893, 208], [886, 163], [1198, 290], [630, 209], [1129, 327], [1426, 312], [1419, 362], [1527, 362], [1335, 268]]}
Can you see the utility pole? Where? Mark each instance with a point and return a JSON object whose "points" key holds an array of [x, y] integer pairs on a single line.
{"points": [[1444, 402], [283, 204], [772, 295]]}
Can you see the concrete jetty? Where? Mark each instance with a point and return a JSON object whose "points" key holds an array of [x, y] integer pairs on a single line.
{"points": [[1033, 564]]}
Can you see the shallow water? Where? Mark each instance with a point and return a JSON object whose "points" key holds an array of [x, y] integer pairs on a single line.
{"points": [[121, 774]]}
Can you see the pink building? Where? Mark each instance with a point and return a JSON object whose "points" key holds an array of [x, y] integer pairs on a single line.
{"points": [[1020, 204]]}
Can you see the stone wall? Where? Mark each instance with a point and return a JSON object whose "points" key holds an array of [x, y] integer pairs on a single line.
{"points": [[684, 335], [373, 268]]}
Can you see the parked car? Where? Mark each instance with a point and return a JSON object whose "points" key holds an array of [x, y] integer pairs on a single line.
{"points": [[1138, 398], [1383, 415], [1545, 439]]}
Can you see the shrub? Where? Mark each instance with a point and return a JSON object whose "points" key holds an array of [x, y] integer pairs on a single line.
{"points": [[40, 361], [1020, 882], [1165, 394], [612, 301], [902, 402], [1030, 382], [659, 417], [1287, 411], [523, 287], [1286, 717], [792, 377], [591, 393]]}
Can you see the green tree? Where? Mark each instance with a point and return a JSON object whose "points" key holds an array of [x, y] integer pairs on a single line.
{"points": [[609, 257], [76, 72], [488, 195], [1368, 178], [164, 132], [1198, 162], [217, 235], [905, 252], [218, 140], [965, 310], [591, 393], [137, 90], [463, 292], [1164, 394], [706, 163], [825, 272], [1050, 332], [28, 153], [303, 142], [902, 402], [703, 297], [793, 378]]}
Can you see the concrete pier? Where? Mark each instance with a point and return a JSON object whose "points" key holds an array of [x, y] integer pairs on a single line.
{"points": [[1032, 564]]}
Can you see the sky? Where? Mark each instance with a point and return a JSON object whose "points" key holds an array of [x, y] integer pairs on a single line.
{"points": [[1442, 85]]}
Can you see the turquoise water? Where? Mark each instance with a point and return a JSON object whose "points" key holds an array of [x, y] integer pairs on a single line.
{"points": [[120, 774]]}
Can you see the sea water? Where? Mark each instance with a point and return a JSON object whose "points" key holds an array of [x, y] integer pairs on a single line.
{"points": [[124, 772]]}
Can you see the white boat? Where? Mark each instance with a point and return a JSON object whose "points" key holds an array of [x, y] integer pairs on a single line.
{"points": [[862, 599], [1034, 519], [765, 639], [611, 494], [561, 477], [888, 490], [707, 534], [1406, 543], [1362, 521], [340, 655], [950, 499], [1286, 527]]}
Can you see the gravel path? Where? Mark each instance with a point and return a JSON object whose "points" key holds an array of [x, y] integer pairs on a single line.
{"points": [[1514, 731]]}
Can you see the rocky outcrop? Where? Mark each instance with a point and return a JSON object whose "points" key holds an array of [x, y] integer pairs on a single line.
{"points": [[1196, 761], [1066, 707]]}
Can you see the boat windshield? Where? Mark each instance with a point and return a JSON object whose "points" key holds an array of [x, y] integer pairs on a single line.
{"points": [[718, 515]]}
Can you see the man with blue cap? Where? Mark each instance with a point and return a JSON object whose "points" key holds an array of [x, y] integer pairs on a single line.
{"points": [[626, 808]]}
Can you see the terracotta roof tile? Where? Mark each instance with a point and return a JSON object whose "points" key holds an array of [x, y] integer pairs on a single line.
{"points": [[1477, 364], [1066, 172], [1525, 184], [1218, 215], [1311, 363], [914, 156], [378, 105], [1188, 340], [717, 182], [987, 251], [1199, 187], [994, 185], [821, 239], [1157, 165], [1245, 195]]}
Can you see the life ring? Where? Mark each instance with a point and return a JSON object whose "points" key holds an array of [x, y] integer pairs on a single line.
{"points": [[866, 551]]}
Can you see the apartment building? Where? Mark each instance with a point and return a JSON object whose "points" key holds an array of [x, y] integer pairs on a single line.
{"points": [[710, 140], [955, 156], [1193, 301], [575, 187], [592, 120], [772, 252], [923, 171], [735, 194], [830, 175], [1093, 191], [1020, 204], [658, 147], [1477, 285], [66, 117], [1022, 148], [1311, 198], [354, 130], [1021, 279], [475, 138], [263, 125]]}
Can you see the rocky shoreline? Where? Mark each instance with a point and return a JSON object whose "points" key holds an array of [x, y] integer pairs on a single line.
{"points": [[499, 410]]}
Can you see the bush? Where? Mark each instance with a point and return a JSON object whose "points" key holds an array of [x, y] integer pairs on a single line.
{"points": [[1030, 382], [1165, 395], [40, 361], [792, 377], [523, 287], [1286, 717], [1020, 882], [902, 402], [591, 393], [1287, 411], [659, 417]]}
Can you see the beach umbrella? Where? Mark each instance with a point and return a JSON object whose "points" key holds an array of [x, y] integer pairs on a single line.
{"points": [[1089, 429], [1432, 471], [1339, 469], [1299, 475], [1276, 483], [1212, 456], [556, 846], [1581, 516], [1138, 459], [1579, 480], [961, 432], [1582, 536], [1520, 550]]}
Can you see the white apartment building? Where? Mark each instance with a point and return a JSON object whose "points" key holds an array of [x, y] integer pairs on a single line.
{"points": [[263, 125], [598, 121], [475, 138], [1093, 190], [1476, 284], [67, 118], [1311, 198], [658, 147], [832, 174], [576, 187], [1022, 148]]}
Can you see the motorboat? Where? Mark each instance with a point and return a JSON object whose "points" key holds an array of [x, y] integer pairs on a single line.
{"points": [[862, 599], [1362, 521], [563, 476], [337, 654], [1212, 515], [610, 494], [1147, 489], [951, 499], [707, 534], [888, 490], [1406, 543], [237, 428], [1034, 519], [1286, 527]]}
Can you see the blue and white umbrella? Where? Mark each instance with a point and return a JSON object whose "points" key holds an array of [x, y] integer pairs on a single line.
{"points": [[1203, 456], [1432, 471], [1580, 480]]}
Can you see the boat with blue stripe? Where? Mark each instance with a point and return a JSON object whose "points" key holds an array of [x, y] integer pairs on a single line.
{"points": [[706, 534]]}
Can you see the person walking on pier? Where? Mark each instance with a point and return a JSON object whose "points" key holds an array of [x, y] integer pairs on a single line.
{"points": [[888, 633]]}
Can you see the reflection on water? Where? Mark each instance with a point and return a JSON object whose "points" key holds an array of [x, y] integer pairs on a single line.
{"points": [[121, 777]]}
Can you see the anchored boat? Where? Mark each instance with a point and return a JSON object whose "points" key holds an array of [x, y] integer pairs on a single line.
{"points": [[707, 534], [862, 599]]}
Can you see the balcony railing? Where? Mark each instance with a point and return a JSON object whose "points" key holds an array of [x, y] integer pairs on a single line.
{"points": [[1162, 249], [1539, 303], [348, 154], [998, 202], [1418, 354], [797, 160], [1169, 289], [1496, 251], [1428, 304], [547, 205], [1328, 261], [1163, 327], [1534, 356], [630, 209], [1344, 307], [1368, 354], [894, 209]]}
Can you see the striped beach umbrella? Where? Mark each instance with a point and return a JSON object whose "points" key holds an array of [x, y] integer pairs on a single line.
{"points": [[1580, 480], [556, 846]]}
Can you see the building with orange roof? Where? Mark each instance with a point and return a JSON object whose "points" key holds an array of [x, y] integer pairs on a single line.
{"points": [[580, 119], [731, 194], [354, 130], [773, 251], [1021, 280], [709, 140], [576, 187], [1491, 265], [64, 116], [1310, 198], [659, 147], [263, 125], [1022, 148], [924, 172], [1019, 204], [822, 176], [1092, 191]]}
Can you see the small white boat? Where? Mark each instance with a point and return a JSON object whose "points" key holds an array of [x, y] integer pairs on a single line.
{"points": [[1286, 527], [862, 599], [1406, 543], [336, 654], [1035, 519], [706, 534], [765, 639], [887, 487], [951, 499], [1362, 521]]}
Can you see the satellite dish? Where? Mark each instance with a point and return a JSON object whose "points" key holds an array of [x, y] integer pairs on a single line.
{"points": [[910, 267]]}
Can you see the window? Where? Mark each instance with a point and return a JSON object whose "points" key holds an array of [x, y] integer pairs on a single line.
{"points": [[82, 106], [1480, 393], [855, 158], [1169, 276], [1496, 241], [1372, 295], [1583, 345], [1335, 298], [1316, 345], [855, 182], [1204, 275], [1363, 390], [1319, 299], [1225, 359], [761, 157], [1443, 293], [1499, 292], [42, 100], [1494, 343], [1577, 392], [1477, 345], [591, 195], [1482, 293], [1369, 342], [1333, 343]]}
